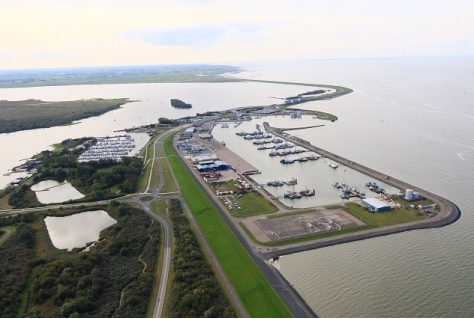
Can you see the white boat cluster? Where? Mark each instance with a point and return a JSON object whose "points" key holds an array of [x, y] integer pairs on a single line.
{"points": [[109, 148]]}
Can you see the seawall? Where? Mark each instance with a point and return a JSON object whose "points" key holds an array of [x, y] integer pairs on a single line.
{"points": [[449, 212]]}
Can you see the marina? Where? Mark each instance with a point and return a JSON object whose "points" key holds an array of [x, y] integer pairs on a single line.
{"points": [[109, 148]]}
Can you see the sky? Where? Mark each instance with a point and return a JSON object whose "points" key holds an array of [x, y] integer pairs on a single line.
{"points": [[65, 33]]}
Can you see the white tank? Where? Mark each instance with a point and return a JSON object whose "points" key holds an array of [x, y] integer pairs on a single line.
{"points": [[409, 194]]}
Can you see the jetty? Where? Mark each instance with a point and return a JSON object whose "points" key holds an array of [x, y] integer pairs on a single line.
{"points": [[300, 128]]}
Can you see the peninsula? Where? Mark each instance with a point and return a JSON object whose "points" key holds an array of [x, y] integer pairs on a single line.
{"points": [[31, 114]]}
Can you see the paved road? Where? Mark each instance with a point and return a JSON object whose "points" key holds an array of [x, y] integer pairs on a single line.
{"points": [[156, 194]]}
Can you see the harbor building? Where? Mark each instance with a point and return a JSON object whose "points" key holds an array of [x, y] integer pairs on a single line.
{"points": [[376, 205], [221, 165]]}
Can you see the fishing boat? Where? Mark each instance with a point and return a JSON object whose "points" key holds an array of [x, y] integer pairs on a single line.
{"points": [[293, 181]]}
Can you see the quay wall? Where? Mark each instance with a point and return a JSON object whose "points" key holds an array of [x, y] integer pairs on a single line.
{"points": [[449, 212]]}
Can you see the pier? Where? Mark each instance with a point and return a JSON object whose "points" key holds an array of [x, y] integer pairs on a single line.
{"points": [[300, 128]]}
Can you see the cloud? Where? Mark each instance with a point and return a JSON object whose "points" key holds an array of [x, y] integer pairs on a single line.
{"points": [[195, 35]]}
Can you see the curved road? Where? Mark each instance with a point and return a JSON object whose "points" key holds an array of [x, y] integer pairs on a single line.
{"points": [[156, 195]]}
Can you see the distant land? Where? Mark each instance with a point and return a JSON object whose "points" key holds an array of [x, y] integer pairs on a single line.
{"points": [[115, 75], [30, 114]]}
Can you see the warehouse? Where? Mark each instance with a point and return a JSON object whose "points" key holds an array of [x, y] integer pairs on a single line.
{"points": [[221, 165], [206, 168], [376, 205]]}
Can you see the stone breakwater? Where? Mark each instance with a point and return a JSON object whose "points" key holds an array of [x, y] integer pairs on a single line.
{"points": [[449, 212]]}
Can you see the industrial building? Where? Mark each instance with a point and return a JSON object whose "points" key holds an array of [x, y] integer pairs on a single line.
{"points": [[205, 136], [221, 165], [376, 205], [209, 166]]}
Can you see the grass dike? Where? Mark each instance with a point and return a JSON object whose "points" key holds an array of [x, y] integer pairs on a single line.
{"points": [[258, 296]]}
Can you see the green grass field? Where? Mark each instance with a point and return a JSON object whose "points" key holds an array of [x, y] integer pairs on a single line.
{"points": [[169, 186], [389, 218], [258, 296], [144, 177]]}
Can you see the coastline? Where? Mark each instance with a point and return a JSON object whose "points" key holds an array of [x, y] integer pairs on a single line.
{"points": [[449, 211]]}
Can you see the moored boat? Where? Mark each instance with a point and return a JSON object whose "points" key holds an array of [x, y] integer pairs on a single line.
{"points": [[333, 165], [307, 192], [287, 161]]}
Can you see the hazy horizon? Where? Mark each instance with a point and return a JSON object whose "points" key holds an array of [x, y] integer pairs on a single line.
{"points": [[234, 63], [68, 34]]}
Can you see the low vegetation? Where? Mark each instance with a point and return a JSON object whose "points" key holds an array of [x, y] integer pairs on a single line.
{"points": [[23, 197], [32, 114], [388, 218], [115, 74], [113, 279], [195, 293]]}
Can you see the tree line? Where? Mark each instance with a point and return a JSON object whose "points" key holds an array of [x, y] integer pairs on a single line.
{"points": [[195, 293], [180, 104]]}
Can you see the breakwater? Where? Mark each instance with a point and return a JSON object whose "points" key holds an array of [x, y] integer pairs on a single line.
{"points": [[449, 212]]}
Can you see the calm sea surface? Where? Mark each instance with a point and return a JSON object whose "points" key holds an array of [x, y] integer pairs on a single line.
{"points": [[413, 119], [409, 118]]}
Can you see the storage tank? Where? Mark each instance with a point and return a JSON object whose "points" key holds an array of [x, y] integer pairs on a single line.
{"points": [[409, 194], [416, 195]]}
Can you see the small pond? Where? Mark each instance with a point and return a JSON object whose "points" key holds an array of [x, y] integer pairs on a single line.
{"points": [[77, 230], [50, 192]]}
